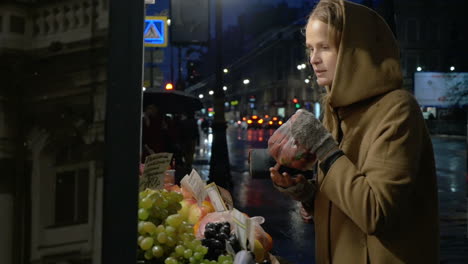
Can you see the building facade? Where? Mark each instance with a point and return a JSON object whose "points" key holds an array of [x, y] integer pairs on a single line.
{"points": [[270, 60], [52, 103]]}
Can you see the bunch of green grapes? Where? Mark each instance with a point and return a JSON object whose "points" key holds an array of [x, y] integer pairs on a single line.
{"points": [[164, 238], [156, 205]]}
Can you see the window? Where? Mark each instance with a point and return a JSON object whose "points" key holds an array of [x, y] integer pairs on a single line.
{"points": [[412, 30], [411, 64], [17, 24], [432, 28], [71, 196], [452, 31]]}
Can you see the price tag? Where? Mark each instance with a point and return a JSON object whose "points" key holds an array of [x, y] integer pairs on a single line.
{"points": [[251, 234], [195, 185], [153, 174], [215, 197], [242, 223]]}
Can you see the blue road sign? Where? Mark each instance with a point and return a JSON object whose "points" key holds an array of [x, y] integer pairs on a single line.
{"points": [[155, 34]]}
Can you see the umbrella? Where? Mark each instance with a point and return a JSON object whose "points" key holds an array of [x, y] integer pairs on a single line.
{"points": [[172, 101]]}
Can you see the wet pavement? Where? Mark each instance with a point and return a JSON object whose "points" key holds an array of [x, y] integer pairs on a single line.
{"points": [[294, 239]]}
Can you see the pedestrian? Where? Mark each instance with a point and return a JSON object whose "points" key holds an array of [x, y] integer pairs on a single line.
{"points": [[374, 199], [154, 132]]}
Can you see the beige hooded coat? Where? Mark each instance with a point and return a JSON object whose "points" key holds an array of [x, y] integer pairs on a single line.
{"points": [[378, 203]]}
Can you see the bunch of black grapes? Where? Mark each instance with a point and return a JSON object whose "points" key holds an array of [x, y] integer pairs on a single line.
{"points": [[216, 237]]}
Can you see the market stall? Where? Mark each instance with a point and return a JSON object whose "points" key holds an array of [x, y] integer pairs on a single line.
{"points": [[194, 222]]}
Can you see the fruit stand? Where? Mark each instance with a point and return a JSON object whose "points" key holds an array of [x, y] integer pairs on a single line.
{"points": [[194, 222]]}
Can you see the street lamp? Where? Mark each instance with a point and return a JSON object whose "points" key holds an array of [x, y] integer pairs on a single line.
{"points": [[307, 81], [419, 68], [224, 88], [211, 92], [225, 70], [452, 68], [246, 81], [301, 66], [200, 96]]}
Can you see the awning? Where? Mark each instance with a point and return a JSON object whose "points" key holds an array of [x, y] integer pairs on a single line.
{"points": [[172, 101]]}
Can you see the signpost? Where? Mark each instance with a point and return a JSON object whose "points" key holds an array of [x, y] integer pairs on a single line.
{"points": [[155, 34]]}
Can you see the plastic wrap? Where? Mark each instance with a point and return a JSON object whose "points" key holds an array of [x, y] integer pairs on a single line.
{"points": [[283, 147]]}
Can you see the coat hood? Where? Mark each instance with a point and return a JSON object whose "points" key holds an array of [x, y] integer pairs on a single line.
{"points": [[368, 62]]}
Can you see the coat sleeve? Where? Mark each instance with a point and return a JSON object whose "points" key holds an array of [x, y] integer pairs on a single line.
{"points": [[375, 194]]}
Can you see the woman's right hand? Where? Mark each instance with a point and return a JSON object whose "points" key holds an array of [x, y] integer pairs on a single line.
{"points": [[284, 179], [306, 216], [298, 187]]}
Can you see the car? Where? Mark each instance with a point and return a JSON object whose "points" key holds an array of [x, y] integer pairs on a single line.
{"points": [[260, 122], [255, 122], [273, 122]]}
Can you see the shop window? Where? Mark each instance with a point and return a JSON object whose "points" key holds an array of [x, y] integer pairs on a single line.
{"points": [[71, 195], [17, 24]]}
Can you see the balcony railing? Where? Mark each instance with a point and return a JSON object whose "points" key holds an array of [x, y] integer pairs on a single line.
{"points": [[66, 21]]}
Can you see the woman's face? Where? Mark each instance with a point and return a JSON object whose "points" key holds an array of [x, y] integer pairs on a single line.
{"points": [[322, 50]]}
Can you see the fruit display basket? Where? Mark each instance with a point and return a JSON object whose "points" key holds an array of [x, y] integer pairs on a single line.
{"points": [[175, 228]]}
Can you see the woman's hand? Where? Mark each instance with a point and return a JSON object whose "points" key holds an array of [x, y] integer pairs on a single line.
{"points": [[299, 188], [301, 141], [285, 180], [306, 216]]}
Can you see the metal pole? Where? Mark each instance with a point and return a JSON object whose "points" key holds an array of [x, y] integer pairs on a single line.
{"points": [[172, 64], [171, 48], [179, 68], [151, 67], [219, 163], [466, 168]]}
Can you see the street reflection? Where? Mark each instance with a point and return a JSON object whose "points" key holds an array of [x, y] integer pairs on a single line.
{"points": [[294, 239]]}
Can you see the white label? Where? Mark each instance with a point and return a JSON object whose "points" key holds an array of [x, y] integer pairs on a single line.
{"points": [[215, 197], [251, 234], [155, 166], [242, 224], [195, 185]]}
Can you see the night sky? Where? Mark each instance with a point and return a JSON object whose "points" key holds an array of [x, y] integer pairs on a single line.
{"points": [[233, 8]]}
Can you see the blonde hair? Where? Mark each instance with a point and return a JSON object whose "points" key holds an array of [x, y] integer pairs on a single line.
{"points": [[330, 12]]}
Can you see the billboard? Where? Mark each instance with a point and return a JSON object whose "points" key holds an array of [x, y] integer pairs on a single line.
{"points": [[441, 89], [190, 21]]}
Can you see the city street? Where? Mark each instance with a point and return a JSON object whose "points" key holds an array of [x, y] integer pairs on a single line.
{"points": [[294, 239]]}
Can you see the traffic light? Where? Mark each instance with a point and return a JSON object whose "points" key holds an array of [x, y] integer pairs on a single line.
{"points": [[193, 75], [169, 87], [296, 103]]}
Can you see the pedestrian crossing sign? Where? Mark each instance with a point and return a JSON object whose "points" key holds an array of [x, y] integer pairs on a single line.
{"points": [[155, 34]]}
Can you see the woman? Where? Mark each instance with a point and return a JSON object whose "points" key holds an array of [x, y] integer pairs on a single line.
{"points": [[375, 196]]}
